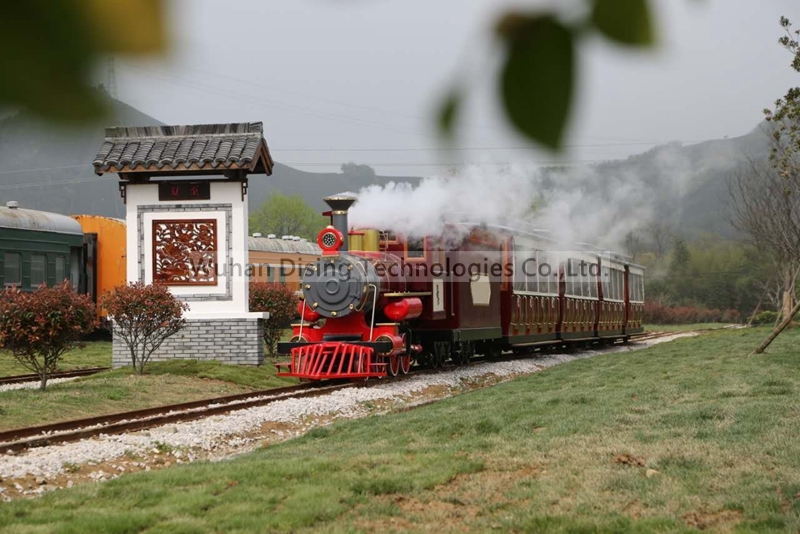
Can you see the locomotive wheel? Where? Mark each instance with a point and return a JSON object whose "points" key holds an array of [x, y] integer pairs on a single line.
{"points": [[455, 354], [426, 358], [393, 369], [405, 364], [464, 353], [441, 350], [467, 352]]}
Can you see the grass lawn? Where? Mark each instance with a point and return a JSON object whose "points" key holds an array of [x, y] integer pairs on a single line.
{"points": [[94, 354], [688, 434], [121, 391], [683, 327]]}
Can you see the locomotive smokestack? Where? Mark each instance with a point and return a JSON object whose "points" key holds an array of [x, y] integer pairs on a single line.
{"points": [[339, 205]]}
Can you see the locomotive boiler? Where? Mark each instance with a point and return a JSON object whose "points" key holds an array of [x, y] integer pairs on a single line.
{"points": [[362, 295]]}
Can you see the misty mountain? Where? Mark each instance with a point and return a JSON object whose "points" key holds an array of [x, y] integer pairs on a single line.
{"points": [[682, 186], [48, 168]]}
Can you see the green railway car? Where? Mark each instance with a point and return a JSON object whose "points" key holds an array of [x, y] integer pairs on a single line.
{"points": [[38, 247]]}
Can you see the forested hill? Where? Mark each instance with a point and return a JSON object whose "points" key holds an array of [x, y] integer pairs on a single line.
{"points": [[683, 186], [55, 163], [688, 183], [58, 174]]}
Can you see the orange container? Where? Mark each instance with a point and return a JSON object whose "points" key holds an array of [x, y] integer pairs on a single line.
{"points": [[111, 250]]}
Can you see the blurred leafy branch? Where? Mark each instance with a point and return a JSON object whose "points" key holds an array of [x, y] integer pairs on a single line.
{"points": [[537, 77], [785, 118], [48, 49]]}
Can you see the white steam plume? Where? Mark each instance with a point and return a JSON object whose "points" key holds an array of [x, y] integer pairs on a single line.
{"points": [[594, 204], [476, 195]]}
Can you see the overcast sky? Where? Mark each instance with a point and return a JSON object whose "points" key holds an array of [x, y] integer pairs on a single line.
{"points": [[337, 81]]}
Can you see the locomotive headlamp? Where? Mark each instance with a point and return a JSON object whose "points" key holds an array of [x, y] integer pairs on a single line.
{"points": [[330, 240]]}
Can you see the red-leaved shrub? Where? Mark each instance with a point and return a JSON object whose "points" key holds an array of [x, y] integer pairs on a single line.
{"points": [[143, 316], [280, 302], [38, 327], [656, 313]]}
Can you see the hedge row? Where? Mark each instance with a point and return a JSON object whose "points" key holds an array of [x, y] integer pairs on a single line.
{"points": [[655, 313]]}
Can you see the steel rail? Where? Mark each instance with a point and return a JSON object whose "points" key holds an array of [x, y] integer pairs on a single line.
{"points": [[74, 430], [19, 379], [118, 423]]}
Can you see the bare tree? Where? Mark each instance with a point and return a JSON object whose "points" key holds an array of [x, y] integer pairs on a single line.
{"points": [[632, 244], [661, 235], [766, 200], [766, 207]]}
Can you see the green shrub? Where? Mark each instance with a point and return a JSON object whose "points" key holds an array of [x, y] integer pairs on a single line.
{"points": [[766, 317]]}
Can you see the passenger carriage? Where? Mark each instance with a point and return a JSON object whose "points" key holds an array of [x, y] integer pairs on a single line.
{"points": [[387, 299]]}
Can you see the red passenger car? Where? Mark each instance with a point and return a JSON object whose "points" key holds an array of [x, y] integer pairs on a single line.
{"points": [[376, 302]]}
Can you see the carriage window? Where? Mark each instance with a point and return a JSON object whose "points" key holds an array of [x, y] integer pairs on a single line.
{"points": [[38, 270], [615, 290], [585, 285], [592, 281], [569, 287], [12, 271], [636, 285], [552, 260], [519, 269], [614, 284], [416, 248], [61, 269], [532, 267]]}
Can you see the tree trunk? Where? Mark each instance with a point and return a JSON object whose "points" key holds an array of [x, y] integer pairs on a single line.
{"points": [[758, 306], [787, 295], [42, 379], [786, 320]]}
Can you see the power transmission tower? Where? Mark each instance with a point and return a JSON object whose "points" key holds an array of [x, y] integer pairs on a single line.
{"points": [[111, 79]]}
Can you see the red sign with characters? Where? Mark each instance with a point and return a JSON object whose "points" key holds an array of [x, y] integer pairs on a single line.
{"points": [[171, 191]]}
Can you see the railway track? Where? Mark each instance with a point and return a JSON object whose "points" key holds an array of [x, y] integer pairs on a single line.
{"points": [[75, 430], [19, 379], [118, 423]]}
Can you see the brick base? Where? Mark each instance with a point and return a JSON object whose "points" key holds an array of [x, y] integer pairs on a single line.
{"points": [[235, 341]]}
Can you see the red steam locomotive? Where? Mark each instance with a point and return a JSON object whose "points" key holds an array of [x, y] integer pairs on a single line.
{"points": [[388, 301]]}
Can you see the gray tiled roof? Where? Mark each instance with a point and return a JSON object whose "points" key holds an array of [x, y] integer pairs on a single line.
{"points": [[170, 148]]}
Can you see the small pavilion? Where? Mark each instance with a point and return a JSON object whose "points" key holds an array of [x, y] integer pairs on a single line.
{"points": [[185, 191]]}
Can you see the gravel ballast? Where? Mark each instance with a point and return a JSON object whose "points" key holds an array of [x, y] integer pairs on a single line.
{"points": [[225, 435]]}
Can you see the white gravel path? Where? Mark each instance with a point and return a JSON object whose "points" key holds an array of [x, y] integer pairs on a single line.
{"points": [[226, 431], [35, 384]]}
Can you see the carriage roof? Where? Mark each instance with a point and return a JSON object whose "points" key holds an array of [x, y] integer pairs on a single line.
{"points": [[41, 221]]}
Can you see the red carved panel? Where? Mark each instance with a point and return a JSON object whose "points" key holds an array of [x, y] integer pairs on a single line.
{"points": [[185, 252]]}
